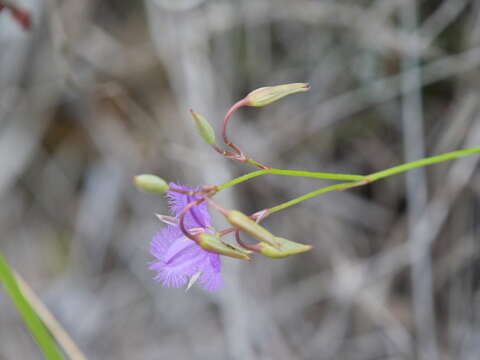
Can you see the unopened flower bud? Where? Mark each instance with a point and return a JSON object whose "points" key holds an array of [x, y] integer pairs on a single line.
{"points": [[287, 248], [267, 95], [243, 222], [213, 244], [204, 128], [151, 184]]}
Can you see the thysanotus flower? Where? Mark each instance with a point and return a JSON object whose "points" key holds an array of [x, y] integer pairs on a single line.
{"points": [[178, 258]]}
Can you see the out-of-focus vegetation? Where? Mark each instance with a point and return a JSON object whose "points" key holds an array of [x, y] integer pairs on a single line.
{"points": [[98, 91]]}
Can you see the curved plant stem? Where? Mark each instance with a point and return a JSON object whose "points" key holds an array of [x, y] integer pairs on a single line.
{"points": [[227, 117], [238, 155], [184, 212]]}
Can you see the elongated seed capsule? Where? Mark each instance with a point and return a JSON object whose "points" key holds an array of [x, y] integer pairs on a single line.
{"points": [[287, 248], [243, 222], [213, 244]]}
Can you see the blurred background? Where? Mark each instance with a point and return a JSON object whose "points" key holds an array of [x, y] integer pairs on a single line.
{"points": [[98, 91]]}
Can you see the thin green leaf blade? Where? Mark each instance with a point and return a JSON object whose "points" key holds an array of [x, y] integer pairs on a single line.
{"points": [[35, 326]]}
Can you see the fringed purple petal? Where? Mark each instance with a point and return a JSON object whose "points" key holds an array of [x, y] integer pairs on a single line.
{"points": [[163, 239], [182, 259], [177, 201], [177, 274], [171, 279], [211, 278], [177, 257], [180, 250], [198, 216], [215, 262]]}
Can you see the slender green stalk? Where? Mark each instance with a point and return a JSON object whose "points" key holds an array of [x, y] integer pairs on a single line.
{"points": [[314, 193], [256, 164], [377, 176], [39, 332], [423, 162], [306, 174]]}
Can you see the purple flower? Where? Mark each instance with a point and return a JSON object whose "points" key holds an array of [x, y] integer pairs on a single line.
{"points": [[177, 257]]}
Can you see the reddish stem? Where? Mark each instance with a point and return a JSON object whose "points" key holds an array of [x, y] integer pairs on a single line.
{"points": [[207, 190], [251, 247], [238, 155], [217, 207], [227, 231], [187, 208], [227, 117], [184, 212]]}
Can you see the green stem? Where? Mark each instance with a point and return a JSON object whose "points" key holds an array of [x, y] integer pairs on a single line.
{"points": [[337, 187], [307, 174], [423, 162], [256, 164], [377, 176], [39, 332]]}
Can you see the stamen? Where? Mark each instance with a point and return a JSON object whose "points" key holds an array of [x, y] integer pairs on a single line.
{"points": [[193, 279], [169, 220], [197, 231]]}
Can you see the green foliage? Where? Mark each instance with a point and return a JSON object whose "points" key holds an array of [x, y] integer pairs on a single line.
{"points": [[35, 326]]}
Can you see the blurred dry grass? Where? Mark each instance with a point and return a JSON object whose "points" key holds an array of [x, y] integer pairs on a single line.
{"points": [[100, 90]]}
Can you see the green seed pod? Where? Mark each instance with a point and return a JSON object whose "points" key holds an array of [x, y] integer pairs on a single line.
{"points": [[243, 222], [267, 95], [213, 244], [287, 248], [204, 128], [151, 184]]}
